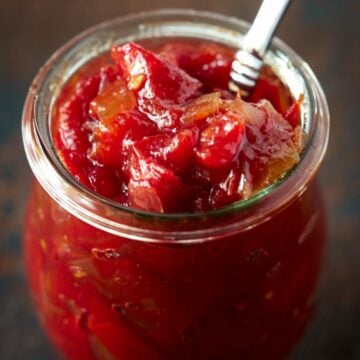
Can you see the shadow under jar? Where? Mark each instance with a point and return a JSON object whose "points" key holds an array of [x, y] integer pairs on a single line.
{"points": [[111, 282]]}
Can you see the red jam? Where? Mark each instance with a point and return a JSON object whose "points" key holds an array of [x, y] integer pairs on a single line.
{"points": [[161, 132]]}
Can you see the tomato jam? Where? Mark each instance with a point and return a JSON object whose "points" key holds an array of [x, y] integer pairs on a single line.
{"points": [[159, 131]]}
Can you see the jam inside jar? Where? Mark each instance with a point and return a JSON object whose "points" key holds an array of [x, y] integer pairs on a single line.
{"points": [[112, 282]]}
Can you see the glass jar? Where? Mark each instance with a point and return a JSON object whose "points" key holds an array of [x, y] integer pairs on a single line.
{"points": [[113, 282]]}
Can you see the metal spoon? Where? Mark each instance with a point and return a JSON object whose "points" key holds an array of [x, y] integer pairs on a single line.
{"points": [[249, 59]]}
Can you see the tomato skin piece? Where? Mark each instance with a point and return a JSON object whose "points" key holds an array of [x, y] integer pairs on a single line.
{"points": [[179, 153], [293, 113], [220, 143], [73, 113], [175, 151], [152, 186]]}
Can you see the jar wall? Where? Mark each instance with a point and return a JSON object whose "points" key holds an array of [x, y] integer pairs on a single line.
{"points": [[245, 296]]}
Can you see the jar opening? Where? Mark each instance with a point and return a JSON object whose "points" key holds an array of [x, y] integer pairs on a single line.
{"points": [[115, 218]]}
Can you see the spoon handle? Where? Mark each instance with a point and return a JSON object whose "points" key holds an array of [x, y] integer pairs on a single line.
{"points": [[265, 24]]}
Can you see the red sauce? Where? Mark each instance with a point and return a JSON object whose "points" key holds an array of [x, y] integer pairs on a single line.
{"points": [[161, 132]]}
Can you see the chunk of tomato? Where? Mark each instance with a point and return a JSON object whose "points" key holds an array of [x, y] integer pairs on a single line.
{"points": [[152, 186], [160, 85], [220, 143]]}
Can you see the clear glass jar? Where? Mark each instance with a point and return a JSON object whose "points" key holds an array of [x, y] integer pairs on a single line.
{"points": [[114, 282]]}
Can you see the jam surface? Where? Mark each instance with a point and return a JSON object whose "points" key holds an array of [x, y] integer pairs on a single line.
{"points": [[159, 131]]}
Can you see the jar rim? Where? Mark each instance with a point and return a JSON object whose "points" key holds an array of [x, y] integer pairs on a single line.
{"points": [[108, 215]]}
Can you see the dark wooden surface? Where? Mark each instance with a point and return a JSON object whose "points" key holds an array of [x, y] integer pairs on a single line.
{"points": [[326, 33]]}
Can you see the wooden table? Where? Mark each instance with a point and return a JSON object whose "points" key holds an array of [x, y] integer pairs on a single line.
{"points": [[325, 32]]}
